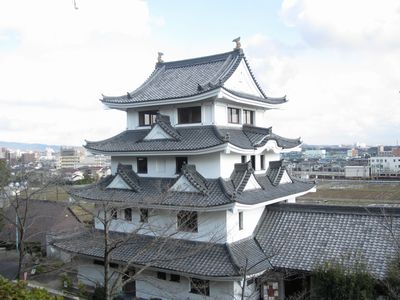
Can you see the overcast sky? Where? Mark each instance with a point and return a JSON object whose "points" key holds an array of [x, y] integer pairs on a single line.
{"points": [[337, 61]]}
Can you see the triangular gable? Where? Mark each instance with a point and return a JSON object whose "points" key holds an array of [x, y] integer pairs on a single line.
{"points": [[252, 184], [285, 178], [184, 185], [242, 81], [118, 183], [157, 133]]}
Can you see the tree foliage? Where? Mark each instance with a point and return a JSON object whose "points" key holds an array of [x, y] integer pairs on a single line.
{"points": [[4, 173], [19, 291], [392, 280], [334, 280]]}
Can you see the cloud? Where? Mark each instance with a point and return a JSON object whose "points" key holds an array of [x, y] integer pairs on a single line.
{"points": [[341, 23], [338, 91], [65, 58]]}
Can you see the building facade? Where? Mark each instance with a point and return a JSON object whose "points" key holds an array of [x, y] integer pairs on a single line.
{"points": [[197, 188]]}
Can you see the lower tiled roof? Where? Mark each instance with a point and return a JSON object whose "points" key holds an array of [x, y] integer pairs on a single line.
{"points": [[191, 138], [154, 192], [189, 257], [301, 237]]}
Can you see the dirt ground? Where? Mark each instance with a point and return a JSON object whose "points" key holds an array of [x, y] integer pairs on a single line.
{"points": [[354, 193]]}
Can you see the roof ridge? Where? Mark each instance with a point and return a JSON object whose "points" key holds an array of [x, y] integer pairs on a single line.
{"points": [[197, 60], [378, 211]]}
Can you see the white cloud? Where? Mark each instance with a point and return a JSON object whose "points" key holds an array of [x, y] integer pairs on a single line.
{"points": [[339, 90], [64, 60]]}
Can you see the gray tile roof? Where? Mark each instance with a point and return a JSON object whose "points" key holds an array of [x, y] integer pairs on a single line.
{"points": [[275, 172], [129, 176], [195, 178], [193, 258], [154, 192], [241, 175], [300, 237], [190, 138], [185, 78], [164, 122]]}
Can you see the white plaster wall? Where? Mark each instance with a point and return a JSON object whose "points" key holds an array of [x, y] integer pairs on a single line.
{"points": [[92, 275], [207, 165], [242, 81], [250, 292], [149, 286], [157, 166], [250, 221], [132, 119], [220, 113], [211, 225], [207, 111], [228, 162], [261, 118]]}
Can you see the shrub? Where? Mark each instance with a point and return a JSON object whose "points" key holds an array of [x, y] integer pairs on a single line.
{"points": [[334, 280]]}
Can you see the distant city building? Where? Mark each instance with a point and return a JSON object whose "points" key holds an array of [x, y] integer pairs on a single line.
{"points": [[315, 153], [385, 166], [356, 172]]}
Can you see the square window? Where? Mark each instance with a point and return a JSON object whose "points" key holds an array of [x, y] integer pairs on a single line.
{"points": [[187, 115], [248, 117], [144, 215], [233, 115], [162, 275], [240, 220], [147, 118], [142, 165], [128, 214], [175, 278], [253, 162], [187, 221], [180, 161], [262, 162], [200, 286]]}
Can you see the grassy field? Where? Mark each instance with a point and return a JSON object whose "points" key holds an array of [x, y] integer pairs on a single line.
{"points": [[354, 193]]}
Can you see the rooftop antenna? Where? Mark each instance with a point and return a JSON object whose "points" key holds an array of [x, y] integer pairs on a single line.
{"points": [[75, 6], [159, 58], [238, 44]]}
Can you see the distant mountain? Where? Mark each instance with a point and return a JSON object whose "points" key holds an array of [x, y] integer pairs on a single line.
{"points": [[27, 146]]}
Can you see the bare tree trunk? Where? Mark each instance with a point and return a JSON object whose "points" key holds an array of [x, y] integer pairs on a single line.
{"points": [[244, 279]]}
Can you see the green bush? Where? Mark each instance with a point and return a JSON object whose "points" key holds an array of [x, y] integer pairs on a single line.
{"points": [[333, 281], [66, 282], [20, 291], [392, 280]]}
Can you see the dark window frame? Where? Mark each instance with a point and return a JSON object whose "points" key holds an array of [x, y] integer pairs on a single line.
{"points": [[144, 215], [141, 168], [179, 164], [248, 114], [200, 286], [128, 216], [253, 161], [187, 221], [230, 115], [262, 161], [243, 159], [240, 215], [174, 278], [189, 115], [162, 275], [147, 117]]}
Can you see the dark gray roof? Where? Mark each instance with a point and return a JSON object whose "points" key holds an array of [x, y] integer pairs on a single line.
{"points": [[300, 237], [129, 176], [241, 175], [164, 122], [178, 255], [191, 138], [154, 192], [185, 78], [195, 178], [275, 171]]}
